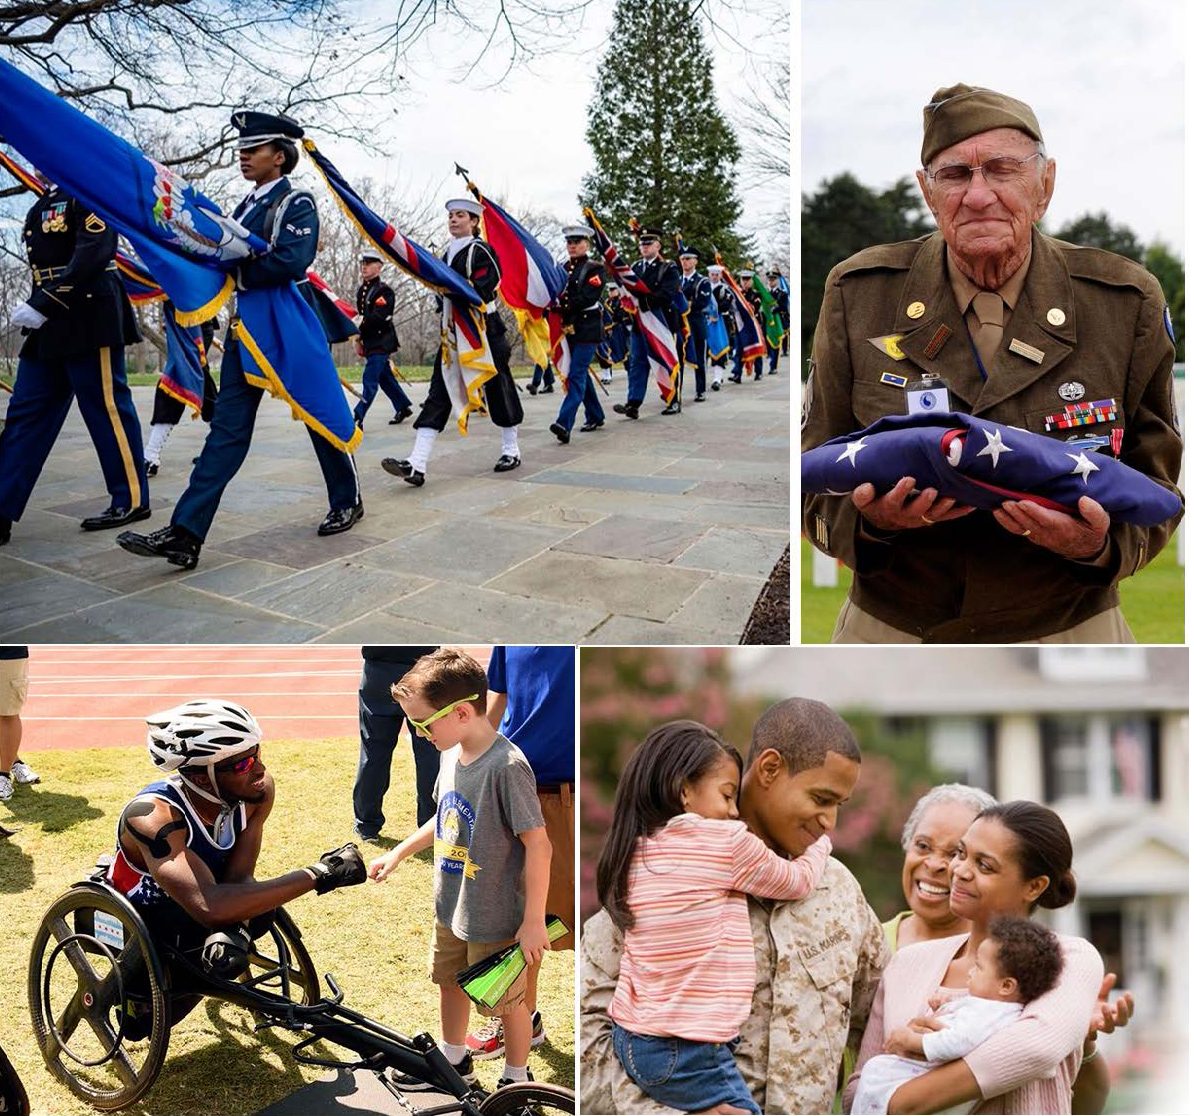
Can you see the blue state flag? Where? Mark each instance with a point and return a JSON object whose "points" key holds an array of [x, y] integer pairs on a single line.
{"points": [[185, 244], [982, 464]]}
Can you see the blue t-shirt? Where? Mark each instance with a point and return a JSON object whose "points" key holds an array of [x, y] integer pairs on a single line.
{"points": [[540, 718]]}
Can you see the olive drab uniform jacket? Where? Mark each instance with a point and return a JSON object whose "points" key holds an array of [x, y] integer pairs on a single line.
{"points": [[818, 962], [1088, 325]]}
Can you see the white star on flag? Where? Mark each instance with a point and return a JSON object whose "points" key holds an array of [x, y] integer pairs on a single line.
{"points": [[995, 446], [851, 450], [1085, 466]]}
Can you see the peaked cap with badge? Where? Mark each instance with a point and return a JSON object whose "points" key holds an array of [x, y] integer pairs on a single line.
{"points": [[1085, 352]]}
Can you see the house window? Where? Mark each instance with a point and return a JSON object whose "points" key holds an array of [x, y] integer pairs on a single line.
{"points": [[1101, 757], [1078, 663], [961, 749]]}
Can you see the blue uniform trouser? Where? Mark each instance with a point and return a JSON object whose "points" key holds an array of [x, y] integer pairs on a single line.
{"points": [[696, 350], [38, 407], [581, 388], [772, 358], [227, 446], [737, 370], [381, 721], [542, 375], [638, 369], [378, 374]]}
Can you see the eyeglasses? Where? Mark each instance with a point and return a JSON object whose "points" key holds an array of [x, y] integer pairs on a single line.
{"points": [[998, 171], [240, 766], [421, 726]]}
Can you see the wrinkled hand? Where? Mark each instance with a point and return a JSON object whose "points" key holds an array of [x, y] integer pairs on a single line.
{"points": [[1109, 1017], [902, 509], [1080, 536], [533, 940], [340, 867], [25, 316]]}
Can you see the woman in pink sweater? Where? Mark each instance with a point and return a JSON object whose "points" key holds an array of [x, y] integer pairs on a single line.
{"points": [[1014, 857]]}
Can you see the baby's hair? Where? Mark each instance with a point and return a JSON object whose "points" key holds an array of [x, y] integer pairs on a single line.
{"points": [[1028, 953], [444, 676], [649, 795]]}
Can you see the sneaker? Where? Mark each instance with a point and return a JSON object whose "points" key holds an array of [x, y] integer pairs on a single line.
{"points": [[359, 834], [24, 774], [407, 1081], [510, 1081], [490, 1041], [5, 788]]}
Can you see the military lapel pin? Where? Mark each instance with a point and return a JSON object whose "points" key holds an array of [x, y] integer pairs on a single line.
{"points": [[1022, 348]]}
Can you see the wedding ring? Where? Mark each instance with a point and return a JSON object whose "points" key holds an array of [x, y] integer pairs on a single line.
{"points": [[929, 521]]}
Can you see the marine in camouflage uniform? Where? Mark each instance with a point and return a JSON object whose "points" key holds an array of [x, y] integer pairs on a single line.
{"points": [[818, 962]]}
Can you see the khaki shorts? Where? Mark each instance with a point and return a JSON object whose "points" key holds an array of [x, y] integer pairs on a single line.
{"points": [[450, 954], [14, 686], [559, 819]]}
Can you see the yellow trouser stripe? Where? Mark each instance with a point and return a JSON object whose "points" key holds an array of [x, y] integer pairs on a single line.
{"points": [[122, 441]]}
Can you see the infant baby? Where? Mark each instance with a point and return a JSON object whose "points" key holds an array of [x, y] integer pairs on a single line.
{"points": [[1017, 962]]}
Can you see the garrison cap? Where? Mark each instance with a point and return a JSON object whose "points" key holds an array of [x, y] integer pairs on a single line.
{"points": [[962, 110], [467, 204], [256, 128], [577, 232]]}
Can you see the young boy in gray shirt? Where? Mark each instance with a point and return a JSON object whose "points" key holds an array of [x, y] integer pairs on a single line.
{"points": [[492, 854]]}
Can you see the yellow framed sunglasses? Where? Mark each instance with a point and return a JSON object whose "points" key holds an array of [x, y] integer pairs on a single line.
{"points": [[421, 726]]}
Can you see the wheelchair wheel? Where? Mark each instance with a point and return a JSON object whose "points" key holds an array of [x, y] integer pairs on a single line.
{"points": [[92, 963], [528, 1098], [279, 963]]}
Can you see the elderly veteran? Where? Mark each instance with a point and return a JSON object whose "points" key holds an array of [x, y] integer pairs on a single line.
{"points": [[818, 961], [1022, 329]]}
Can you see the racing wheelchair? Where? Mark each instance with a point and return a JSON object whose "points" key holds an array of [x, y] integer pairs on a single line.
{"points": [[94, 963]]}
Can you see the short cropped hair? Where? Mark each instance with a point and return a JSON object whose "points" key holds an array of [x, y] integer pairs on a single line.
{"points": [[444, 676], [1028, 953], [803, 732]]}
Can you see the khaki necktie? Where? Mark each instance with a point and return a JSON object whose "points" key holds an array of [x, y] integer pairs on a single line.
{"points": [[988, 308]]}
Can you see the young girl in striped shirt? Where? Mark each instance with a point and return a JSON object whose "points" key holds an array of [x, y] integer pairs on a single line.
{"points": [[674, 874]]}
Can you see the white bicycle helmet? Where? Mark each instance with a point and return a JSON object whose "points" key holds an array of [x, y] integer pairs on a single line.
{"points": [[201, 733]]}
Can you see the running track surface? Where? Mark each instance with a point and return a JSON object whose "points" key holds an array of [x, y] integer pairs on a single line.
{"points": [[84, 696]]}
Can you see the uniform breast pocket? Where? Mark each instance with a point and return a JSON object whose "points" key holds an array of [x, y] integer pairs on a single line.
{"points": [[832, 973], [874, 400], [1098, 418]]}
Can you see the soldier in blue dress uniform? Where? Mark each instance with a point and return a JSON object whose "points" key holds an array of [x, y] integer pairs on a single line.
{"points": [[663, 277], [76, 322], [580, 305], [375, 306], [288, 220], [782, 312], [699, 292]]}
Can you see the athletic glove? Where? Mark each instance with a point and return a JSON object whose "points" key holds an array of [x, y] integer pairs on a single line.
{"points": [[341, 867]]}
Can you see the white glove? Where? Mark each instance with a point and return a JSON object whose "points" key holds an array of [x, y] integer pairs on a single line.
{"points": [[233, 244], [25, 315]]}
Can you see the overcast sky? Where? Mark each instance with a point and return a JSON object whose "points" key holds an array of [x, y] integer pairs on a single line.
{"points": [[524, 138], [1105, 78]]}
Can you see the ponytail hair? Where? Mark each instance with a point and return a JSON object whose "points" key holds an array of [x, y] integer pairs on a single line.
{"points": [[649, 795], [1043, 848]]}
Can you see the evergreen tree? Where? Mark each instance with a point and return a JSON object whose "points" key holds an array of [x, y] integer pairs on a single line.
{"points": [[663, 151]]}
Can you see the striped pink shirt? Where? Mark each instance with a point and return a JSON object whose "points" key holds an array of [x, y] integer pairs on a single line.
{"points": [[688, 964]]}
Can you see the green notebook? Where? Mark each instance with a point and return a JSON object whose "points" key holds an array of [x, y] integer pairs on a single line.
{"points": [[488, 980]]}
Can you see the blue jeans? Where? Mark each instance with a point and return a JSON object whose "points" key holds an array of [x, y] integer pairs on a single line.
{"points": [[683, 1074], [378, 374], [580, 388], [227, 446]]}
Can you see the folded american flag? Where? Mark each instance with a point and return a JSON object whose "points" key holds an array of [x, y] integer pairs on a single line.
{"points": [[983, 463]]}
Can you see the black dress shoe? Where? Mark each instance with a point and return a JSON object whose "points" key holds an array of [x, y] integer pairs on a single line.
{"points": [[549, 390], [533, 389], [630, 410], [564, 436], [401, 416], [397, 468], [717, 385], [151, 468], [699, 397], [589, 427], [415, 478], [5, 531], [507, 462], [115, 517], [772, 371], [673, 408], [176, 544], [758, 376], [341, 519]]}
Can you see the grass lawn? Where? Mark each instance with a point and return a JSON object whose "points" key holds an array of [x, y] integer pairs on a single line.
{"points": [[1153, 601], [373, 938]]}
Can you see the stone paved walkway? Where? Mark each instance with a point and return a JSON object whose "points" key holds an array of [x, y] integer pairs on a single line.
{"points": [[657, 531]]}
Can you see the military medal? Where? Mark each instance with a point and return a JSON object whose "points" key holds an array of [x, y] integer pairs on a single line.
{"points": [[1071, 391], [1055, 317], [915, 309], [1082, 414]]}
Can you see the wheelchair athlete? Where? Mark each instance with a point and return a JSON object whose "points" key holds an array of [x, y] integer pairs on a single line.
{"points": [[187, 846]]}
